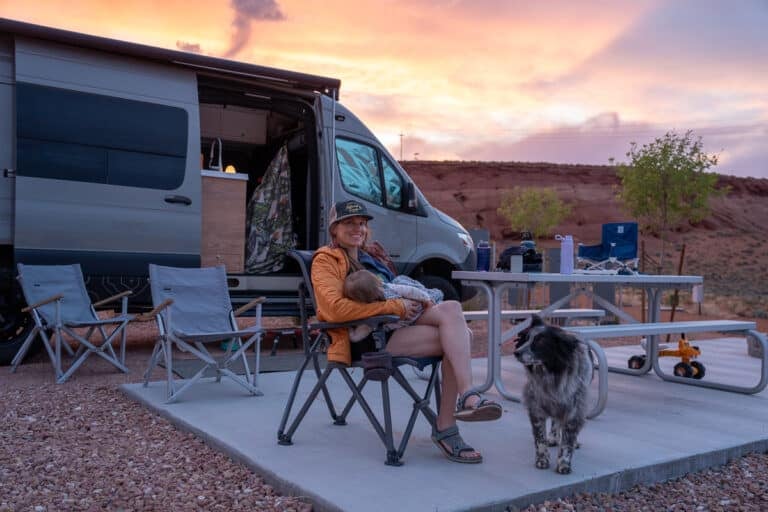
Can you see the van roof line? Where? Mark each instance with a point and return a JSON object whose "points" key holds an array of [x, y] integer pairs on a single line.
{"points": [[293, 79]]}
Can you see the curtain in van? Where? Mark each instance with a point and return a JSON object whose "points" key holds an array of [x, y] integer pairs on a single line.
{"points": [[269, 226]]}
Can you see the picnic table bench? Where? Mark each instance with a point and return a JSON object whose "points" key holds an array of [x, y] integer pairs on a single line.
{"points": [[655, 329], [567, 314]]}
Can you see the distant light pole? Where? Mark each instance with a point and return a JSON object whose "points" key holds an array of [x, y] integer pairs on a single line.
{"points": [[401, 146], [415, 156]]}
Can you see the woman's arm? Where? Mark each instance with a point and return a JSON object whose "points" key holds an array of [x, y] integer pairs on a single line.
{"points": [[328, 283]]}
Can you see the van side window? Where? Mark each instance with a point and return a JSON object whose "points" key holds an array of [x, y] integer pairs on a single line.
{"points": [[359, 169], [77, 136], [393, 185]]}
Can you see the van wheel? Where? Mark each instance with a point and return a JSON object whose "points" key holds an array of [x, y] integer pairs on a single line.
{"points": [[14, 329], [442, 284]]}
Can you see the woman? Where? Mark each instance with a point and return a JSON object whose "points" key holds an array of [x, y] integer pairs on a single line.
{"points": [[439, 331]]}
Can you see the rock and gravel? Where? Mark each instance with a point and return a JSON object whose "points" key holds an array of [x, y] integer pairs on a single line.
{"points": [[86, 446]]}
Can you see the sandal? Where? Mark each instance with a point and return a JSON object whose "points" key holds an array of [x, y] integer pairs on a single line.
{"points": [[455, 445], [483, 410]]}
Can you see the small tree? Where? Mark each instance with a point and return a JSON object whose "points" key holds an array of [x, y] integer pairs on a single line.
{"points": [[537, 210], [665, 183]]}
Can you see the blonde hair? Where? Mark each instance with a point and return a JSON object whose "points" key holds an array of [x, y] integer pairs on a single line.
{"points": [[363, 286]]}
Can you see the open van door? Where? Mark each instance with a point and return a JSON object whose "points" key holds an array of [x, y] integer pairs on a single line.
{"points": [[107, 162]]}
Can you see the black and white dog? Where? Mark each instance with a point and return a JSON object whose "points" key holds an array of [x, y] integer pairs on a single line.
{"points": [[559, 369]]}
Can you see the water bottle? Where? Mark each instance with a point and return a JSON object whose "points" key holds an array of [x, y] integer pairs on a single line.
{"points": [[483, 256], [566, 254]]}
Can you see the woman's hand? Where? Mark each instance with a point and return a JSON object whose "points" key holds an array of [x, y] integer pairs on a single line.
{"points": [[412, 308]]}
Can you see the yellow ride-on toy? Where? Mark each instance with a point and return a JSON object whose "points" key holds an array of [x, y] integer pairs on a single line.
{"points": [[687, 367]]}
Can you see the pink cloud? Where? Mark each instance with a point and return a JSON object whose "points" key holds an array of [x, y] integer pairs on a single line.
{"points": [[603, 137]]}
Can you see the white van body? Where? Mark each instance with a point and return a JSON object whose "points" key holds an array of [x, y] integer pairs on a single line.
{"points": [[104, 146]]}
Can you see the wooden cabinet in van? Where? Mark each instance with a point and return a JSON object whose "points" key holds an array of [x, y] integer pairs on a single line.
{"points": [[223, 220]]}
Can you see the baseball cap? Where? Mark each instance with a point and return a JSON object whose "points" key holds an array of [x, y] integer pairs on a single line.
{"points": [[345, 209]]}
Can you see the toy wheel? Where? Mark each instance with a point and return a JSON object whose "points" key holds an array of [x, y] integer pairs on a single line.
{"points": [[683, 370], [636, 362], [698, 369]]}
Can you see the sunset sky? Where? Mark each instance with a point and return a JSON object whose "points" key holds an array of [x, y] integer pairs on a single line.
{"points": [[554, 80]]}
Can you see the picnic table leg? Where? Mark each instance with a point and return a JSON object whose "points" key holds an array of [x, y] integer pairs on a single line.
{"points": [[498, 291], [493, 377], [492, 318], [652, 344], [602, 378], [748, 390]]}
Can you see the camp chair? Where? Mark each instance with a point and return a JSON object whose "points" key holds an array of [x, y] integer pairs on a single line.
{"points": [[316, 340], [616, 251], [59, 304], [193, 308]]}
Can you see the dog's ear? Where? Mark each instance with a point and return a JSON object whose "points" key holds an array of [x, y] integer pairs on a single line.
{"points": [[536, 320]]}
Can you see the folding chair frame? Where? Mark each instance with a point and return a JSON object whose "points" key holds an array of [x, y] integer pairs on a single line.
{"points": [[194, 343], [86, 346], [316, 340]]}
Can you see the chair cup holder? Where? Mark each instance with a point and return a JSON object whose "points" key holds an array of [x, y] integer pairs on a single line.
{"points": [[377, 365]]}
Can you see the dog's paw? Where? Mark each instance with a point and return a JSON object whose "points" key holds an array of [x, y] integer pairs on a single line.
{"points": [[563, 467], [542, 462]]}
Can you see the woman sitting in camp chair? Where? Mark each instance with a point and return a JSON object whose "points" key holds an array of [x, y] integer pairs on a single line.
{"points": [[439, 331]]}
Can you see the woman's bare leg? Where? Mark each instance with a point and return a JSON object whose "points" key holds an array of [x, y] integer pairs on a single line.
{"points": [[455, 340], [424, 341]]}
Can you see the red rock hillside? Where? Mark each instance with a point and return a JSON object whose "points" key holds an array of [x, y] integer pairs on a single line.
{"points": [[728, 247]]}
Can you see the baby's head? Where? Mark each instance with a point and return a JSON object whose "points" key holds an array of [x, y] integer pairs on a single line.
{"points": [[363, 286]]}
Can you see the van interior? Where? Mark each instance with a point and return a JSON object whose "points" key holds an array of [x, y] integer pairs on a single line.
{"points": [[253, 123]]}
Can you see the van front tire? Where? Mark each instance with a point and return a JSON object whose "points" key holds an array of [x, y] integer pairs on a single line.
{"points": [[442, 284]]}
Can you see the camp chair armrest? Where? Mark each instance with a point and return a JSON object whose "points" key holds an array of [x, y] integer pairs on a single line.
{"points": [[149, 315], [112, 298], [373, 321], [43, 302], [242, 309]]}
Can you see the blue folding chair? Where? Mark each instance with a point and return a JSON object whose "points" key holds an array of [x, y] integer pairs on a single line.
{"points": [[193, 308], [60, 305], [617, 250]]}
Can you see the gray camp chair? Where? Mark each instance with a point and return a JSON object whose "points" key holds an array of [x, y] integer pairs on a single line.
{"points": [[59, 303], [193, 308]]}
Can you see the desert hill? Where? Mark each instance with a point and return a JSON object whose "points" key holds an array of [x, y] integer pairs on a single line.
{"points": [[728, 248]]}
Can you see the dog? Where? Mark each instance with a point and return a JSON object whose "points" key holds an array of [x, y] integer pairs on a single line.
{"points": [[559, 369]]}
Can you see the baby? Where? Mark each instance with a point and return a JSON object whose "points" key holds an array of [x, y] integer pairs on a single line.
{"points": [[364, 286]]}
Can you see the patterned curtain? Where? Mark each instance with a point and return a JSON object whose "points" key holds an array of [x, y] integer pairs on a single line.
{"points": [[270, 230]]}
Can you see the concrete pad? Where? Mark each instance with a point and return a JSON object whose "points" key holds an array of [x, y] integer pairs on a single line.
{"points": [[650, 431]]}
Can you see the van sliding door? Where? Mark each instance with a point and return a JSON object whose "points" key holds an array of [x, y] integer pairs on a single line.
{"points": [[6, 142], [107, 161]]}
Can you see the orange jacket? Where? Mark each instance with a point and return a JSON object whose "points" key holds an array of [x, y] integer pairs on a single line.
{"points": [[329, 269]]}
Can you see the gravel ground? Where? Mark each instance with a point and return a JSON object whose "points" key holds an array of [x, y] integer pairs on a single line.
{"points": [[85, 446]]}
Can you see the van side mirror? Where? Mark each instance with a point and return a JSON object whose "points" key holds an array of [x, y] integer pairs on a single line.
{"points": [[410, 196]]}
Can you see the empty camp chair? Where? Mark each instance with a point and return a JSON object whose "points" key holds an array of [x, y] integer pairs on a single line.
{"points": [[616, 251], [59, 304], [316, 340], [193, 308]]}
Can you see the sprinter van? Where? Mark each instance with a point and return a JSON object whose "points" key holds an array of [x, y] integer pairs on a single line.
{"points": [[115, 155]]}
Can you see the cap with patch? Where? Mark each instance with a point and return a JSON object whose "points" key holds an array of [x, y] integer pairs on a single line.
{"points": [[345, 209]]}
